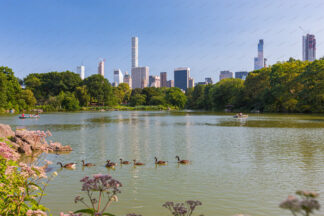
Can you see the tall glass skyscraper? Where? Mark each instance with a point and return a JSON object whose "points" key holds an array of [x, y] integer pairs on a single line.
{"points": [[309, 47], [259, 61], [118, 77], [134, 52], [181, 78]]}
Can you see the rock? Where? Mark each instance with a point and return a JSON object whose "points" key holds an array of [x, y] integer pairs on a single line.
{"points": [[58, 147], [25, 149], [5, 131], [33, 138], [29, 142]]}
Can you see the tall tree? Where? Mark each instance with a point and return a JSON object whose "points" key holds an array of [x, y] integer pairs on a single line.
{"points": [[99, 89]]}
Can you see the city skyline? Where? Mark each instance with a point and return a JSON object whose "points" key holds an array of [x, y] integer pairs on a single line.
{"points": [[223, 40]]}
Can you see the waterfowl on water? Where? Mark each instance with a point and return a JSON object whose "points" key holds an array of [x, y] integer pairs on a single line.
{"points": [[138, 163], [182, 161], [160, 162], [124, 162], [112, 163], [68, 165], [109, 165], [87, 164]]}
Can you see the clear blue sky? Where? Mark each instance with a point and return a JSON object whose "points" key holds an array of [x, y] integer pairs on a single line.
{"points": [[206, 35]]}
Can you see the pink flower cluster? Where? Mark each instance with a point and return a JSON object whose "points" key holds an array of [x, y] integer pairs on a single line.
{"points": [[34, 172], [36, 213], [7, 152]]}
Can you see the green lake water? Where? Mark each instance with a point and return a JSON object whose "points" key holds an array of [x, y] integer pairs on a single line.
{"points": [[238, 166]]}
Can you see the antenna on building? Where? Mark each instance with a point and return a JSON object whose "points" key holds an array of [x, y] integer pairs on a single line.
{"points": [[303, 30], [101, 59]]}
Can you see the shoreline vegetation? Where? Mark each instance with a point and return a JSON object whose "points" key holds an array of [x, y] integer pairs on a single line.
{"points": [[286, 87]]}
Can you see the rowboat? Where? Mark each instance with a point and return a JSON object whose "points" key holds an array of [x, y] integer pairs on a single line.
{"points": [[240, 116], [29, 117]]}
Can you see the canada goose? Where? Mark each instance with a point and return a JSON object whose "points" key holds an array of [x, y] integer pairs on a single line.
{"points": [[124, 162], [87, 164], [182, 161], [138, 163], [112, 163], [109, 165], [160, 162], [68, 165]]}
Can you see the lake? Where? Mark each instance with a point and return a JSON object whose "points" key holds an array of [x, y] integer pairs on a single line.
{"points": [[238, 166]]}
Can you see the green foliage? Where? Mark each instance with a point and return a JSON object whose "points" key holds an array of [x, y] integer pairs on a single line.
{"points": [[81, 93], [45, 85], [122, 93], [137, 100], [198, 97], [70, 103], [151, 92], [292, 86], [227, 92], [100, 90], [11, 94], [176, 97], [20, 193]]}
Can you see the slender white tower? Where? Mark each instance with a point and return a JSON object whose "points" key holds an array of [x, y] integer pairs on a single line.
{"points": [[134, 52], [101, 68], [81, 70]]}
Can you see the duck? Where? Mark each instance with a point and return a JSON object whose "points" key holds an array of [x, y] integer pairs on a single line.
{"points": [[124, 162], [87, 164], [138, 163], [182, 161], [68, 165], [160, 162], [112, 163]]}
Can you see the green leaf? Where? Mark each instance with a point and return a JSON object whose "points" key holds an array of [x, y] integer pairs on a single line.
{"points": [[108, 214], [86, 211]]}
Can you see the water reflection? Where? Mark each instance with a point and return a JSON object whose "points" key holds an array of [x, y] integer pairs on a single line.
{"points": [[245, 165]]}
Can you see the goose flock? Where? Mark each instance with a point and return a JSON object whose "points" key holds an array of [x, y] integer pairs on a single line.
{"points": [[110, 164]]}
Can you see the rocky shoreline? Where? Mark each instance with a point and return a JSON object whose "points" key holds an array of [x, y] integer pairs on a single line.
{"points": [[29, 142]]}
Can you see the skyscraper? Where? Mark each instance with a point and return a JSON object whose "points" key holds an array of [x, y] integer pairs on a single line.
{"points": [[259, 61], [181, 77], [140, 77], [225, 75], [241, 75], [209, 80], [118, 77], [101, 68], [170, 83], [154, 81], [128, 79], [163, 77], [191, 83], [309, 47], [81, 71], [134, 52]]}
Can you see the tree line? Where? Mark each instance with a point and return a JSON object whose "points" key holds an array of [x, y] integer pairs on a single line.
{"points": [[292, 86], [66, 91]]}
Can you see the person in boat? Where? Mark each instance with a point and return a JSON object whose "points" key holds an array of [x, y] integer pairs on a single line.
{"points": [[22, 115]]}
